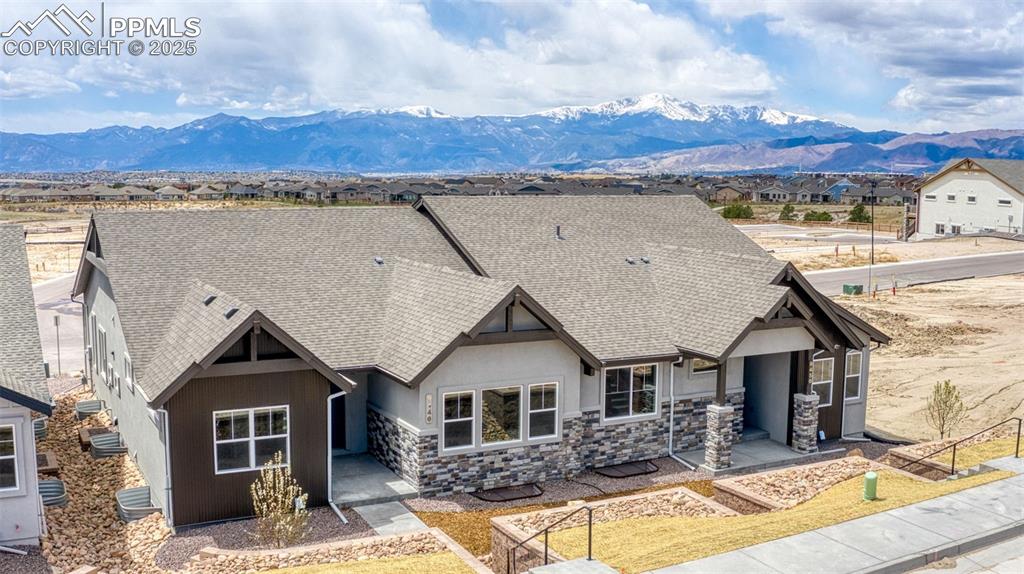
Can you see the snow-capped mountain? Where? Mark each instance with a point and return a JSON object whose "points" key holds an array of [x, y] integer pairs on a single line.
{"points": [[677, 110], [646, 132]]}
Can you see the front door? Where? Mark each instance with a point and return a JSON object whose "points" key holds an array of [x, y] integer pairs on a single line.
{"points": [[826, 378], [338, 424]]}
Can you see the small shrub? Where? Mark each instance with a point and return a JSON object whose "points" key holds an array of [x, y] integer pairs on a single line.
{"points": [[788, 213], [280, 506], [945, 409], [859, 214], [817, 216], [737, 211]]}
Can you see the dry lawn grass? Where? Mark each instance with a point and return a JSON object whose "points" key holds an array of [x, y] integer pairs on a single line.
{"points": [[472, 528], [438, 563], [638, 545], [845, 259], [966, 331], [813, 257]]}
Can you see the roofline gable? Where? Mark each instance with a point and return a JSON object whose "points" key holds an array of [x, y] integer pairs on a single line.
{"points": [[972, 162]]}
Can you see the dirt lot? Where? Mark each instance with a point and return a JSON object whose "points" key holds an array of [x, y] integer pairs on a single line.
{"points": [[966, 331], [854, 255], [884, 214]]}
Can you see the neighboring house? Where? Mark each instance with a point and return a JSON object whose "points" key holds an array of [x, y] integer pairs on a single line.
{"points": [[135, 193], [725, 193], [170, 193], [205, 193], [240, 191], [22, 391], [971, 196], [466, 343], [774, 194]]}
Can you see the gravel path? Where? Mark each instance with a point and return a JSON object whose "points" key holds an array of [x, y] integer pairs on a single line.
{"points": [[63, 384], [34, 563], [323, 523]]}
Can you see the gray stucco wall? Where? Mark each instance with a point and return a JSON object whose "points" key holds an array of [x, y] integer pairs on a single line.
{"points": [[766, 403], [19, 508], [138, 425]]}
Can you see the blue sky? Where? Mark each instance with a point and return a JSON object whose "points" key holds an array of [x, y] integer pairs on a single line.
{"points": [[904, 65]]}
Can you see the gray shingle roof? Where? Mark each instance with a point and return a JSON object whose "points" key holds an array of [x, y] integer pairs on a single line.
{"points": [[698, 299], [21, 355], [310, 271], [1009, 170]]}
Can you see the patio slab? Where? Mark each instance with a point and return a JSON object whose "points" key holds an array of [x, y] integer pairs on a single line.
{"points": [[758, 454], [359, 479]]}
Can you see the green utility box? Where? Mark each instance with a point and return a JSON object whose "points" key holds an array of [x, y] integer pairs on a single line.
{"points": [[870, 485], [850, 289]]}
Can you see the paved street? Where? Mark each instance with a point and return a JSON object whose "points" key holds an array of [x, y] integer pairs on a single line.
{"points": [[53, 299], [830, 282]]}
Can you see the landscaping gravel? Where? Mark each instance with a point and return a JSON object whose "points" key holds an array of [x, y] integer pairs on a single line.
{"points": [[63, 384], [791, 486], [324, 526], [586, 484], [33, 563]]}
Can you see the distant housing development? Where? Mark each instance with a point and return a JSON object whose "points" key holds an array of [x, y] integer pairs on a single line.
{"points": [[465, 343], [971, 196]]}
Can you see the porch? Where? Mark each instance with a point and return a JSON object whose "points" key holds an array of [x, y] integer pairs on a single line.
{"points": [[359, 479], [754, 452]]}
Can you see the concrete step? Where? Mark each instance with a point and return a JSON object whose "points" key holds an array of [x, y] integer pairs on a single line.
{"points": [[578, 566], [753, 433], [390, 518]]}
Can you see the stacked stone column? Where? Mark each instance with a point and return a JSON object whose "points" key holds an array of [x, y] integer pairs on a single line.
{"points": [[805, 423], [720, 437]]}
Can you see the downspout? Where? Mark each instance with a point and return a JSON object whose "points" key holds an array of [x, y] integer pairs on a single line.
{"points": [[672, 414], [85, 348], [330, 458], [168, 491]]}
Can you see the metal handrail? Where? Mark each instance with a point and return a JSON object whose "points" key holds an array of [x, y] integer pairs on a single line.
{"points": [[510, 554], [952, 465]]}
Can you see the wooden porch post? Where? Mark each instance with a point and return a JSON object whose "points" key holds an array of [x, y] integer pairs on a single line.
{"points": [[720, 384]]}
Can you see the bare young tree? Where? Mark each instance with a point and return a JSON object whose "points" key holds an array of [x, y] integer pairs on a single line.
{"points": [[945, 409], [279, 504]]}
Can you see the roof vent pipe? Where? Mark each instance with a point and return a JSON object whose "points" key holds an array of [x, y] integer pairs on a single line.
{"points": [[378, 261], [558, 233], [631, 260], [646, 260]]}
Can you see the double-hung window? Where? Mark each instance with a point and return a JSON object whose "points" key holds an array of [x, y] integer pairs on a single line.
{"points": [[853, 370], [458, 419], [129, 373], [101, 354], [246, 439], [630, 391], [821, 378], [543, 417], [8, 459]]}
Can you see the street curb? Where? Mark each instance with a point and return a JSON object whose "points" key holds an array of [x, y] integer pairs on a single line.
{"points": [[951, 549]]}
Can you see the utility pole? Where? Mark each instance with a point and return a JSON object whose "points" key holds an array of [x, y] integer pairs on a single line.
{"points": [[56, 324], [871, 263]]}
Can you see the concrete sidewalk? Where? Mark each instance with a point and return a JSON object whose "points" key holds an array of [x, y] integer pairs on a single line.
{"points": [[896, 540]]}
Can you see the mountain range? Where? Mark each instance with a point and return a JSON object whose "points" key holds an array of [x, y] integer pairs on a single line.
{"points": [[650, 133]]}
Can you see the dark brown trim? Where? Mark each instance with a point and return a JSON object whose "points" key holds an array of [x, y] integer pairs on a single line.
{"points": [[513, 337], [779, 324], [641, 360], [254, 367], [721, 380], [421, 206], [821, 301]]}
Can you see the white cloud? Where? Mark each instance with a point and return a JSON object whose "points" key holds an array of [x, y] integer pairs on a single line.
{"points": [[962, 61], [33, 83]]}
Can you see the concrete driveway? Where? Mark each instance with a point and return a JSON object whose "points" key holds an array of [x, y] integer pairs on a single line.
{"points": [[53, 299]]}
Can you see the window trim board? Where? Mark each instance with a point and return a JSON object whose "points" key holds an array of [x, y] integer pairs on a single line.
{"points": [[251, 439]]}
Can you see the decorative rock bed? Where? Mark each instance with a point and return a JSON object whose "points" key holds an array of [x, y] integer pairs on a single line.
{"points": [[87, 530], [217, 561], [507, 531]]}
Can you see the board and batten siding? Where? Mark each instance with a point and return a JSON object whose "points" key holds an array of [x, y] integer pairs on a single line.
{"points": [[199, 495]]}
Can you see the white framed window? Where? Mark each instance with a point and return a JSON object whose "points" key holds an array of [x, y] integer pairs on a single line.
{"points": [[94, 342], [8, 459], [929, 197], [700, 366], [542, 419], [951, 198], [821, 378], [245, 439], [630, 391], [102, 362], [972, 199], [1005, 202], [940, 229], [501, 415], [457, 420], [955, 229], [129, 373], [853, 370]]}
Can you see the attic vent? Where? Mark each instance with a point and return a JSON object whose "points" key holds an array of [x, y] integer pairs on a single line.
{"points": [[631, 260], [209, 299], [230, 312], [378, 261], [646, 260]]}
